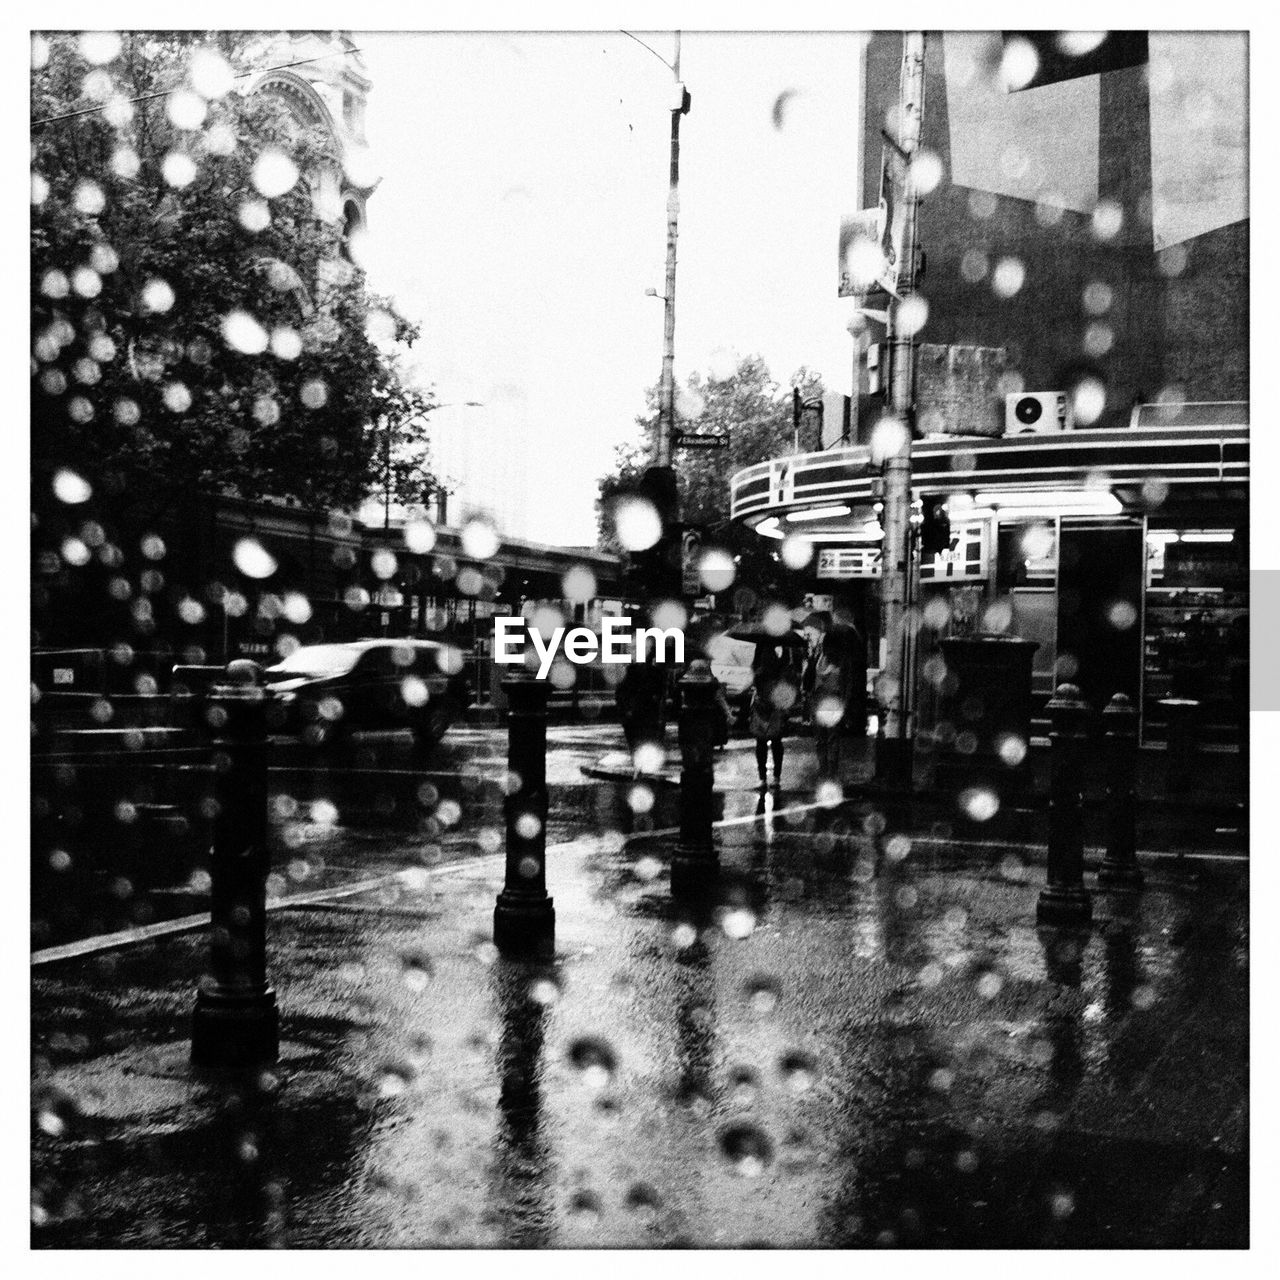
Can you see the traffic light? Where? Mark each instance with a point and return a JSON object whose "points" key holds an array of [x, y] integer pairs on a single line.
{"points": [[935, 528], [655, 573]]}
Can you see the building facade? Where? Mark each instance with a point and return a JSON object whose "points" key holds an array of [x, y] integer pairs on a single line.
{"points": [[327, 88], [1082, 379]]}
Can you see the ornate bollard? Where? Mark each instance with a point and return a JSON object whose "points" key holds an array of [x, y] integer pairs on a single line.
{"points": [[1065, 900], [236, 1022], [1120, 866], [695, 865], [524, 919]]}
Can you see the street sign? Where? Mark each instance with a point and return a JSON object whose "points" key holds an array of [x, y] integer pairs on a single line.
{"points": [[683, 441], [849, 562]]}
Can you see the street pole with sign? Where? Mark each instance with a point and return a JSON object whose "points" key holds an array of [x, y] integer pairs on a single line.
{"points": [[659, 484], [894, 747]]}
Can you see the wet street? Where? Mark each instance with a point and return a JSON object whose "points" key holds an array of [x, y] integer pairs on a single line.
{"points": [[121, 839], [511, 772], [867, 1043]]}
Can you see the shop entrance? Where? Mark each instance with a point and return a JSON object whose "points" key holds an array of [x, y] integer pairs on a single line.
{"points": [[1100, 583]]}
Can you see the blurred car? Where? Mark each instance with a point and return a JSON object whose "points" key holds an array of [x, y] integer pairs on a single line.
{"points": [[321, 691]]}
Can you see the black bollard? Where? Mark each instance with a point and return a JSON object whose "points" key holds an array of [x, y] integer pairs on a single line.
{"points": [[1065, 900], [236, 1022], [524, 919], [695, 866], [1120, 868]]}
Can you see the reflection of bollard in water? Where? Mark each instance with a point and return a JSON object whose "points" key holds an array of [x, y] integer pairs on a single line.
{"points": [[236, 1022], [1120, 752], [1065, 900], [1181, 715], [695, 865], [524, 919]]}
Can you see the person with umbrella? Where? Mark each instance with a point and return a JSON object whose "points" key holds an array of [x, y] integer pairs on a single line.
{"points": [[641, 699], [773, 694], [836, 685]]}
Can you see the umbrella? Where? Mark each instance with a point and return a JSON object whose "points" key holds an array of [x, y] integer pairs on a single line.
{"points": [[756, 633], [698, 635]]}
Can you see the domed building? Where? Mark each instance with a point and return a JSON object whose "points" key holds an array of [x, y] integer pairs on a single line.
{"points": [[326, 87]]}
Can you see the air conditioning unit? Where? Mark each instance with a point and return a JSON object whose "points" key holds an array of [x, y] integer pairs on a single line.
{"points": [[1036, 413]]}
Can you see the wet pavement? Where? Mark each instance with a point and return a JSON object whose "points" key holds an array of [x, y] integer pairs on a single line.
{"points": [[120, 840], [867, 1043]]}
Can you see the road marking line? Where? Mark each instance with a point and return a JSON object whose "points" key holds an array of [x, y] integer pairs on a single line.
{"points": [[730, 822]]}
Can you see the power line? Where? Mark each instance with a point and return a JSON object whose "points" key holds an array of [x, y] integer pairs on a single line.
{"points": [[164, 93], [651, 49]]}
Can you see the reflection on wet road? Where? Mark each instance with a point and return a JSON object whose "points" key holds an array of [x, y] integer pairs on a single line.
{"points": [[851, 1049], [122, 842]]}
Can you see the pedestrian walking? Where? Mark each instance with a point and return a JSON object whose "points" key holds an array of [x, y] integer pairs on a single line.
{"points": [[641, 697], [774, 691], [836, 680]]}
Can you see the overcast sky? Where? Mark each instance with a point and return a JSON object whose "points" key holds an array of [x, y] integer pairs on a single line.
{"points": [[522, 214]]}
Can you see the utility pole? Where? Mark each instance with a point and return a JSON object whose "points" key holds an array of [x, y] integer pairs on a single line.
{"points": [[667, 407], [895, 747], [659, 486]]}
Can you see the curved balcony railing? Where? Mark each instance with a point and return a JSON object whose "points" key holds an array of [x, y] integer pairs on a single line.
{"points": [[959, 464]]}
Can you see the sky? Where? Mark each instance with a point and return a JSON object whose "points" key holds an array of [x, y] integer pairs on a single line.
{"points": [[521, 216]]}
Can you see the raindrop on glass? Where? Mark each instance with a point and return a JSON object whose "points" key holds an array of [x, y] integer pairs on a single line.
{"points": [[594, 1059], [253, 559], [71, 488], [636, 523], [762, 993], [186, 109], [274, 173], [798, 1070], [747, 1148], [179, 169], [243, 333]]}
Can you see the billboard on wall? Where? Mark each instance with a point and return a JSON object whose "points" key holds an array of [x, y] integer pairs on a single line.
{"points": [[861, 259], [869, 259]]}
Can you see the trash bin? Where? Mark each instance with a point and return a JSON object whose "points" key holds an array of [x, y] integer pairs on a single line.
{"points": [[984, 738]]}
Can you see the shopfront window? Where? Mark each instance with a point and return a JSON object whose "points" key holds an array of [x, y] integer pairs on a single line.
{"points": [[1196, 633], [1027, 577]]}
